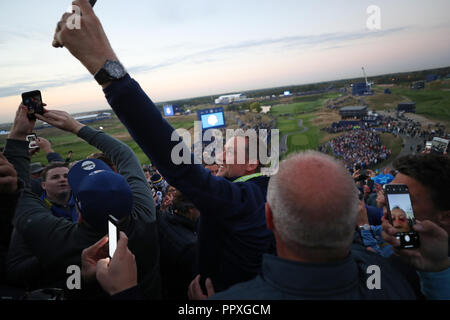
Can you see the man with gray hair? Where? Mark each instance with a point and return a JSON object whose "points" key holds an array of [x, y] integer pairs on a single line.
{"points": [[308, 219], [313, 227]]}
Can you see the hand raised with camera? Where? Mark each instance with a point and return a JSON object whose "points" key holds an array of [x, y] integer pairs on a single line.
{"points": [[120, 272], [431, 256], [90, 256], [61, 120], [8, 176], [88, 43], [22, 126]]}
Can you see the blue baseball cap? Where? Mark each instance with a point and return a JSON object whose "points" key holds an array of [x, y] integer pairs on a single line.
{"points": [[99, 192], [383, 179]]}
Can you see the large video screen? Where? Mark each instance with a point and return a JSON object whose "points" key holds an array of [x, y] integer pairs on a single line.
{"points": [[212, 118], [168, 110]]}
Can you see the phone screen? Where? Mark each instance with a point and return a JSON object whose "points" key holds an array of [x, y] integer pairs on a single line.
{"points": [[32, 141], [33, 101], [401, 215], [112, 235], [401, 211]]}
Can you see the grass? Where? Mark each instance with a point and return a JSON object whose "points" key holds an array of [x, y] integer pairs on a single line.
{"points": [[301, 141], [63, 142], [432, 102], [304, 109], [307, 104], [383, 101], [391, 142]]}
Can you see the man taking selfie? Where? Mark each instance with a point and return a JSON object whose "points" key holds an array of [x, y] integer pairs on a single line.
{"points": [[233, 234]]}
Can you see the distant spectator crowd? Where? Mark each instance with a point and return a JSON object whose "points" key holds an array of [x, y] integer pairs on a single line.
{"points": [[360, 148]]}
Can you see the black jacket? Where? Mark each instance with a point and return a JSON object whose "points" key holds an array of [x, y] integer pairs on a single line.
{"points": [[348, 279], [8, 206], [178, 242]]}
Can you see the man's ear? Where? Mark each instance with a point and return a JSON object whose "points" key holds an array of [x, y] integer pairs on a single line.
{"points": [[269, 217], [43, 184], [249, 167]]}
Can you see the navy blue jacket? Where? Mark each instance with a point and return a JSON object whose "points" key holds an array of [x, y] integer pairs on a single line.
{"points": [[283, 279], [233, 234]]}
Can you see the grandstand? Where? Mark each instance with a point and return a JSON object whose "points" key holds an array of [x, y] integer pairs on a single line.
{"points": [[406, 107], [357, 112]]}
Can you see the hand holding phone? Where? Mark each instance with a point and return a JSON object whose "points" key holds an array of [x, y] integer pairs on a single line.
{"points": [[401, 215], [33, 101], [119, 273], [113, 234], [432, 256]]}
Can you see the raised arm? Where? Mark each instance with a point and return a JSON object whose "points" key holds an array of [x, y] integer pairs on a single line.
{"points": [[120, 154], [16, 148], [141, 117]]}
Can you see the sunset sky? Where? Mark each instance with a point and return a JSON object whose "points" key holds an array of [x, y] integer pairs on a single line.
{"points": [[179, 49]]}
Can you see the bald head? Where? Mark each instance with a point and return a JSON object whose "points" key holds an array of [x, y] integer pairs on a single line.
{"points": [[314, 202]]}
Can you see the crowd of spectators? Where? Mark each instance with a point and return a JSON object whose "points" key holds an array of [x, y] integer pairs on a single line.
{"points": [[361, 148], [193, 231]]}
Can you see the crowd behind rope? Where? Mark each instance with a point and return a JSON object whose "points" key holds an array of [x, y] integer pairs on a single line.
{"points": [[188, 233]]}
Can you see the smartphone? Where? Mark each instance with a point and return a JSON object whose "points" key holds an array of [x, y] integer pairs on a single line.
{"points": [[31, 138], [33, 101], [113, 234], [401, 215]]}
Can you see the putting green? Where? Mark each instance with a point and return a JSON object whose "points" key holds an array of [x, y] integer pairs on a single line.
{"points": [[299, 140]]}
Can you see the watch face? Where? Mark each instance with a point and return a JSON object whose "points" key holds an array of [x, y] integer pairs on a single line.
{"points": [[115, 69]]}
